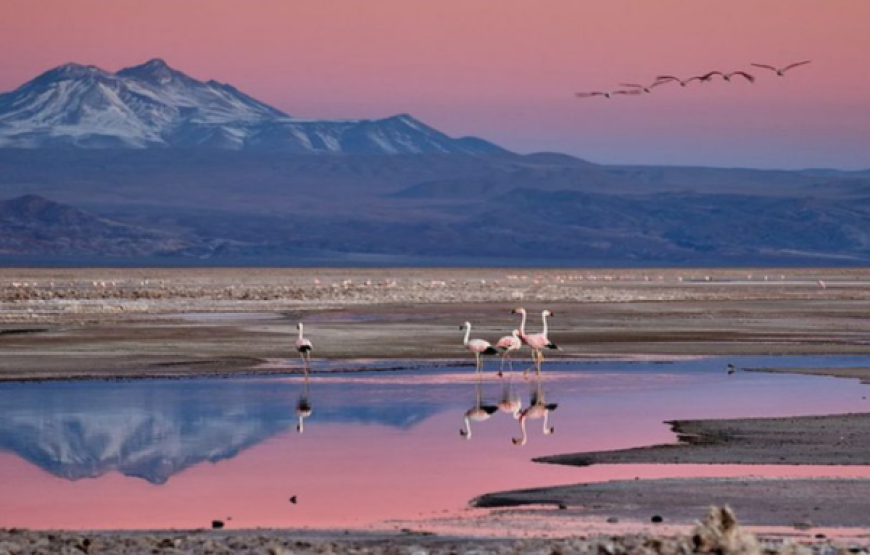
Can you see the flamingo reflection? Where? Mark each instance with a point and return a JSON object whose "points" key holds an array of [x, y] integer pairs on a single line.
{"points": [[538, 408], [303, 406], [478, 413], [510, 400]]}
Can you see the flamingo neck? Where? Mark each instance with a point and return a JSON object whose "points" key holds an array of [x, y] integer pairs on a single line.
{"points": [[467, 334], [544, 318], [523, 323], [467, 428], [300, 427], [300, 331]]}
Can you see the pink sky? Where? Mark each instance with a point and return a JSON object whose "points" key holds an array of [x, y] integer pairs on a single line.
{"points": [[504, 71]]}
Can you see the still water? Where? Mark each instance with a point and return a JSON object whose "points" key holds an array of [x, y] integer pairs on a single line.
{"points": [[361, 449]]}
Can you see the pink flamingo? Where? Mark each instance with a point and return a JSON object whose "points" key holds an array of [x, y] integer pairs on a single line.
{"points": [[538, 409], [478, 413], [477, 346], [538, 341], [304, 347], [507, 344]]}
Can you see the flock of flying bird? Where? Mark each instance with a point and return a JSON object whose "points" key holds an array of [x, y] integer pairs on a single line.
{"points": [[632, 89]]}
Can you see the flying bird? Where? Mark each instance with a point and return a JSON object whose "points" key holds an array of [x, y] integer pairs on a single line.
{"points": [[707, 77], [643, 88], [748, 76], [606, 94], [662, 79], [780, 71]]}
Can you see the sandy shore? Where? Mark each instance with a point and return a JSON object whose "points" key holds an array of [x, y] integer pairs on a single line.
{"points": [[717, 533], [862, 374], [800, 503], [816, 440], [132, 322]]}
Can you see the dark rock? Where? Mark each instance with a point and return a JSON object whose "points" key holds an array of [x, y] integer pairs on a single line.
{"points": [[217, 524], [657, 519], [612, 520], [293, 499]]}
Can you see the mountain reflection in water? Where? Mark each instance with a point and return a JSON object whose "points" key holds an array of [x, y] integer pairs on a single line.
{"points": [[155, 429]]}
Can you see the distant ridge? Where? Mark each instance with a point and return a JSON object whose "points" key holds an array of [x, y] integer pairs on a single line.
{"points": [[35, 225], [153, 105]]}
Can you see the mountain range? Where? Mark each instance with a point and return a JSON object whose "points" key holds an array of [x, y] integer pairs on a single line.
{"points": [[153, 105], [150, 166]]}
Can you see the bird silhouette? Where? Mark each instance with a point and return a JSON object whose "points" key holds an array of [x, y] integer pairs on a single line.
{"points": [[606, 94], [662, 79], [643, 88], [780, 71], [707, 77]]}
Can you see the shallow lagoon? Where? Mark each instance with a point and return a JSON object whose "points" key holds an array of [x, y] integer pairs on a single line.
{"points": [[377, 446]]}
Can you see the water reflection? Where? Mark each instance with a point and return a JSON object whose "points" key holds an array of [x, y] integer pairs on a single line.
{"points": [[479, 412], [303, 405], [149, 432], [538, 408], [156, 429], [510, 403]]}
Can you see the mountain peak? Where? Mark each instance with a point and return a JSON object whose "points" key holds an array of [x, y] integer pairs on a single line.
{"points": [[155, 70], [72, 70]]}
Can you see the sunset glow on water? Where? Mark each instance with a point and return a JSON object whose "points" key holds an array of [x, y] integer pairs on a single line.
{"points": [[377, 447]]}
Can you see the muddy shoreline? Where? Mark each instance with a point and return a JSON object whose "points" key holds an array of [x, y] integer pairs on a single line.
{"points": [[125, 323]]}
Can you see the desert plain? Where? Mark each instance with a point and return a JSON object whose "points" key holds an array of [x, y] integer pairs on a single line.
{"points": [[62, 324]]}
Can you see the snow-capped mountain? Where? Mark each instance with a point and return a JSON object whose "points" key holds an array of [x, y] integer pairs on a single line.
{"points": [[154, 105]]}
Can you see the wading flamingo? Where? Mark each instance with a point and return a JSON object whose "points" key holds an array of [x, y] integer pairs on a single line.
{"points": [[539, 408], [537, 342], [478, 413], [507, 344], [304, 347], [477, 346]]}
